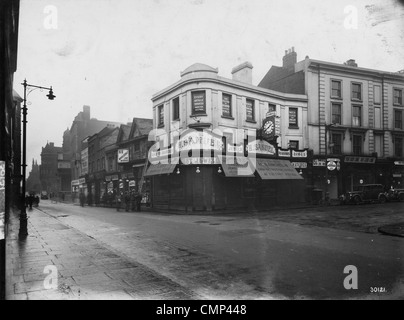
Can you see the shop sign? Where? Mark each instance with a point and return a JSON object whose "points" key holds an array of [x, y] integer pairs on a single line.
{"points": [[121, 185], [110, 178], [299, 165], [396, 175], [75, 182], [161, 153], [366, 160], [2, 197], [284, 153], [331, 165], [261, 147], [234, 149], [132, 183], [200, 160], [110, 185], [199, 140], [123, 155], [292, 153], [399, 163], [84, 161], [299, 154], [82, 180], [319, 163]]}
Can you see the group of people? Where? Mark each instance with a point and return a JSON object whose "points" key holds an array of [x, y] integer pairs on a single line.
{"points": [[129, 200], [31, 199]]}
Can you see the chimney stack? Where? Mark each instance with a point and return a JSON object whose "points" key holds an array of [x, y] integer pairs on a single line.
{"points": [[351, 62], [243, 72], [86, 112], [290, 58]]}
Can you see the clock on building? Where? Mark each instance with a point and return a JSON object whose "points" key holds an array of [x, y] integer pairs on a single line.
{"points": [[268, 126]]}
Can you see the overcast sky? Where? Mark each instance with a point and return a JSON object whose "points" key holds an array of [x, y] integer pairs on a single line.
{"points": [[113, 55]]}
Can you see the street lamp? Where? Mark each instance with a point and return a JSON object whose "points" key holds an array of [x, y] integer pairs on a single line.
{"points": [[23, 215]]}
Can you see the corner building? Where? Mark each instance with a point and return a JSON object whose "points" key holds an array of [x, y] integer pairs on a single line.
{"points": [[206, 126]]}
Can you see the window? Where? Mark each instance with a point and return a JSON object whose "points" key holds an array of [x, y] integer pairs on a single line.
{"points": [[336, 139], [398, 96], [336, 89], [379, 145], [161, 115], [250, 112], [377, 94], [293, 117], [378, 118], [357, 144], [293, 144], [226, 105], [176, 108], [271, 108], [356, 116], [137, 146], [198, 102], [356, 91], [398, 119], [398, 147], [336, 113]]}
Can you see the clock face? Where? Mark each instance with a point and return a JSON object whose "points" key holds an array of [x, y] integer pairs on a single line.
{"points": [[268, 127]]}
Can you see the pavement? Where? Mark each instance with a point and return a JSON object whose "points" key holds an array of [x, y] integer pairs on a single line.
{"points": [[57, 262]]}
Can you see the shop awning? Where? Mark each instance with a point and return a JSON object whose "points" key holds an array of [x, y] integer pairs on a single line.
{"points": [[274, 169], [236, 167], [156, 169]]}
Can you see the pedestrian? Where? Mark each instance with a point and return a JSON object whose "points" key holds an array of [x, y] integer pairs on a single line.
{"points": [[82, 198], [30, 200], [127, 201], [118, 200], [138, 201], [89, 199]]}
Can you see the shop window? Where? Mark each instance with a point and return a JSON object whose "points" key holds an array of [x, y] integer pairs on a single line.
{"points": [[357, 144], [198, 102], [398, 97], [226, 105], [250, 110], [357, 116], [176, 108], [293, 120], [398, 119], [336, 89], [336, 113], [356, 91]]}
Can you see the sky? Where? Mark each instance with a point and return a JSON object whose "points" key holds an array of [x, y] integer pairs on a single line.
{"points": [[113, 55]]}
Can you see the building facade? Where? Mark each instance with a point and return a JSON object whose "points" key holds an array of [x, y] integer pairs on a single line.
{"points": [[97, 145], [34, 180], [355, 120], [206, 126]]}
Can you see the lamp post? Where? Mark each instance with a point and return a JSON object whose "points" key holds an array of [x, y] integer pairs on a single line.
{"points": [[23, 215]]}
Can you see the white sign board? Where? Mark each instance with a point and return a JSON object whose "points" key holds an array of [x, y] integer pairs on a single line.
{"points": [[123, 155]]}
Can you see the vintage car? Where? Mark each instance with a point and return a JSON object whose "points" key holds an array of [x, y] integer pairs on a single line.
{"points": [[365, 193], [395, 194]]}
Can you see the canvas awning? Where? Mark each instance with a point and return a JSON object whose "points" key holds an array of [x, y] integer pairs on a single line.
{"points": [[274, 169], [156, 169], [236, 167]]}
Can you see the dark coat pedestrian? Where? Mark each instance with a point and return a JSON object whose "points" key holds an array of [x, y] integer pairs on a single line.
{"points": [[82, 198], [118, 201], [89, 199]]}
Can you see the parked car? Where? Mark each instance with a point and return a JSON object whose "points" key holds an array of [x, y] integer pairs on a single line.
{"points": [[395, 194], [44, 195], [365, 193]]}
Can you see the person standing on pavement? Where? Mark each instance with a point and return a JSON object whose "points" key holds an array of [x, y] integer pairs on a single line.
{"points": [[118, 200], [127, 201], [82, 198]]}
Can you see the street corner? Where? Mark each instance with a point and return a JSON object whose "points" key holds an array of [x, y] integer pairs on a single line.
{"points": [[396, 230]]}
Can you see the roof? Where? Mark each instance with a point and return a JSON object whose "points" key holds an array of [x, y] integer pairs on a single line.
{"points": [[124, 132], [198, 67], [141, 127]]}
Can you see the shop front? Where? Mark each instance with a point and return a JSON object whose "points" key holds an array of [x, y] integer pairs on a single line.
{"points": [[211, 179], [358, 170]]}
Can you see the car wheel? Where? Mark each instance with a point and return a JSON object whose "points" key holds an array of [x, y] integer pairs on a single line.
{"points": [[357, 200], [382, 199]]}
